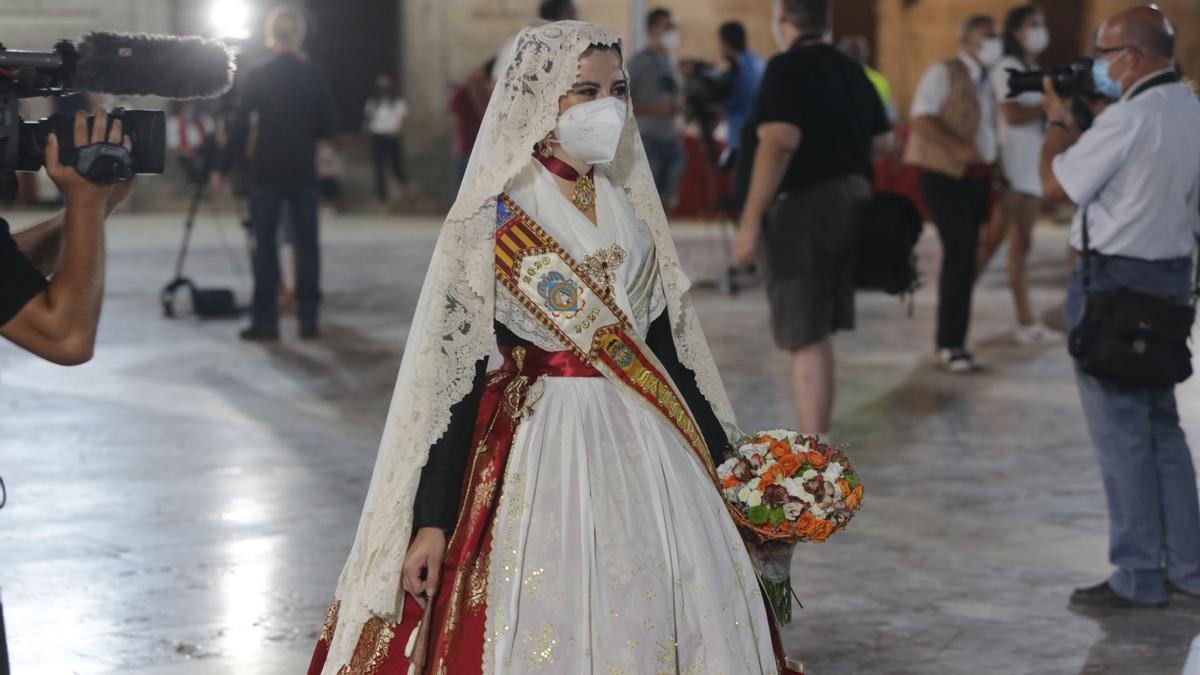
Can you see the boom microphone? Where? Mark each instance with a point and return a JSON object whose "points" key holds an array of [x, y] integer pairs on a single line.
{"points": [[152, 65]]}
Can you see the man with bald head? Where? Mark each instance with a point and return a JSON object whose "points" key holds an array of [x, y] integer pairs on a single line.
{"points": [[1135, 175]]}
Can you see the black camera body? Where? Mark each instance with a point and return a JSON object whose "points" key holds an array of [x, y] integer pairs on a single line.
{"points": [[1073, 80], [147, 129]]}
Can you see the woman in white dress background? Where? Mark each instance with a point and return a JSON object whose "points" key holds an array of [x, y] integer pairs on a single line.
{"points": [[604, 545], [1021, 127]]}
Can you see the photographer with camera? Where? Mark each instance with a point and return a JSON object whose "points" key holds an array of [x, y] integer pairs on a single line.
{"points": [[1135, 175], [57, 320]]}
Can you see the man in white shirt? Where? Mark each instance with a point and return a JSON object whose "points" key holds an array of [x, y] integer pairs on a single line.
{"points": [[953, 142], [1135, 175], [384, 116]]}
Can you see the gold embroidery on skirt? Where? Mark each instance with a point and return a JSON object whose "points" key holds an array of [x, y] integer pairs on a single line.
{"points": [[330, 624], [371, 650], [477, 586]]}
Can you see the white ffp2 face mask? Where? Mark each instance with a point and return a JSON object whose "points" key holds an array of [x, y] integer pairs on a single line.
{"points": [[670, 40], [1036, 40], [990, 52], [590, 132]]}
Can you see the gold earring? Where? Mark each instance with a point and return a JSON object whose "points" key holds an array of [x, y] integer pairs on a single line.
{"points": [[544, 149]]}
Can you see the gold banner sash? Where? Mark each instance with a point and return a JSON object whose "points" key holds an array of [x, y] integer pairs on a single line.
{"points": [[554, 288]]}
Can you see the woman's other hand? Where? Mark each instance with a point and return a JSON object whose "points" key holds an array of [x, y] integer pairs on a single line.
{"points": [[423, 564]]}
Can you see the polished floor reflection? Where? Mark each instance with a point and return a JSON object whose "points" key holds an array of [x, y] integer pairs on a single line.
{"points": [[183, 504]]}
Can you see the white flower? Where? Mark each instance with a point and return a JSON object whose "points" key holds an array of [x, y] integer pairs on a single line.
{"points": [[817, 511], [833, 472], [726, 468], [750, 497], [794, 486], [754, 449], [730, 494], [807, 497], [762, 468], [808, 475], [791, 510]]}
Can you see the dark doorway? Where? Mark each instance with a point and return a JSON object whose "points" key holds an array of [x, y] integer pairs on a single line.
{"points": [[856, 17], [352, 43]]}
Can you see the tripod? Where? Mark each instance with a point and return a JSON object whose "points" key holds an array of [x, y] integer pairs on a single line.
{"points": [[215, 302]]}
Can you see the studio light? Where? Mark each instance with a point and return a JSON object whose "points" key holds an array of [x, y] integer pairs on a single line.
{"points": [[230, 19]]}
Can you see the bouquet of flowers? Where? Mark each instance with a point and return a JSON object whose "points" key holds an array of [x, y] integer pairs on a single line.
{"points": [[785, 488]]}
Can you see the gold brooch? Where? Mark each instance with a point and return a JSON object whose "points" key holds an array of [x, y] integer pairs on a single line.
{"points": [[601, 266], [584, 196]]}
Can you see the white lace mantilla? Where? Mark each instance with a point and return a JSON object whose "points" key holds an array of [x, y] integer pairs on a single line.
{"points": [[452, 327]]}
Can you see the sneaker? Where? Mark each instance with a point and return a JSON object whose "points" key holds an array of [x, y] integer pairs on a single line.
{"points": [[260, 334], [958, 361], [1036, 334], [1102, 596]]}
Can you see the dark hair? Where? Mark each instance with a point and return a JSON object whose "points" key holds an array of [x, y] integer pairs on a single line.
{"points": [[657, 14], [489, 65], [733, 33], [555, 10], [1013, 21], [596, 47], [808, 16]]}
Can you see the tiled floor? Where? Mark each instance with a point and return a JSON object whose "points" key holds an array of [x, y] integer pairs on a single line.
{"points": [[182, 505]]}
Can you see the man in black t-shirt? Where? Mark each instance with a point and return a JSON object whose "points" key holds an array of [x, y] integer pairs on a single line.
{"points": [[294, 110], [57, 320], [810, 141]]}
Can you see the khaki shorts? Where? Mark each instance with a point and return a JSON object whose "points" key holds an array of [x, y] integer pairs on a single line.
{"points": [[807, 255]]}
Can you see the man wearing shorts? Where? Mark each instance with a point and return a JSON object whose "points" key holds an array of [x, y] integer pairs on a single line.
{"points": [[811, 136]]}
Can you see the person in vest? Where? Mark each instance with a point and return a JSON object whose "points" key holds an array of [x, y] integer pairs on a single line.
{"points": [[953, 143]]}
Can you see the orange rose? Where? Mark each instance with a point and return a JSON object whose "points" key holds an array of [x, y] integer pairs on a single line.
{"points": [[843, 486], [769, 476], [789, 464], [853, 500], [820, 531], [805, 523], [780, 449], [729, 482], [817, 460]]}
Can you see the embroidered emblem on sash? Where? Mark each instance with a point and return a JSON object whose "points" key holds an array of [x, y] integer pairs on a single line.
{"points": [[622, 355], [563, 296]]}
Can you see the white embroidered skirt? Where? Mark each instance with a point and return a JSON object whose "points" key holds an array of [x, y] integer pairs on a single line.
{"points": [[613, 552]]}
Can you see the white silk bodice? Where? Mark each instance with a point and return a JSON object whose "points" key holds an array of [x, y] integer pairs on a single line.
{"points": [[637, 289]]}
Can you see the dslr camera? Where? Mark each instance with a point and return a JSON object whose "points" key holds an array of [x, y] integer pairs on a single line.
{"points": [[1073, 80]]}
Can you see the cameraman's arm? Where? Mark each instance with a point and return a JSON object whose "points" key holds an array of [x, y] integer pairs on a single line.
{"points": [[60, 323], [1076, 166], [43, 243]]}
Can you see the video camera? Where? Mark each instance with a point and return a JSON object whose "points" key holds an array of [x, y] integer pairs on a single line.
{"points": [[113, 63]]}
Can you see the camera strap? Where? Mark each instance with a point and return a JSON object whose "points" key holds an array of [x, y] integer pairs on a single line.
{"points": [[1168, 77]]}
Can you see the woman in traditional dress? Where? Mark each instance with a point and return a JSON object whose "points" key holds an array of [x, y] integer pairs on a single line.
{"points": [[559, 514]]}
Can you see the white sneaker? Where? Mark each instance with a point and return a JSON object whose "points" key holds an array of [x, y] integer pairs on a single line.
{"points": [[1037, 334], [958, 361]]}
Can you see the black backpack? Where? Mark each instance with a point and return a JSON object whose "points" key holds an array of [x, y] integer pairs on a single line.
{"points": [[887, 234]]}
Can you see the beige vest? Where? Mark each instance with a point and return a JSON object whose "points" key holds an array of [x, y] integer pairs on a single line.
{"points": [[961, 114]]}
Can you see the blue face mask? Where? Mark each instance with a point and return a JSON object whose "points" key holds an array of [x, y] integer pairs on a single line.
{"points": [[1104, 82]]}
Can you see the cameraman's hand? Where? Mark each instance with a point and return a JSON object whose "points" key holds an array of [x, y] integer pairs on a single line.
{"points": [[1056, 109], [423, 564], [78, 191]]}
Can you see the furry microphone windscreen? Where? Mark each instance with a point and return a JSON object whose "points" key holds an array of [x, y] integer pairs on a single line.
{"points": [[153, 65]]}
